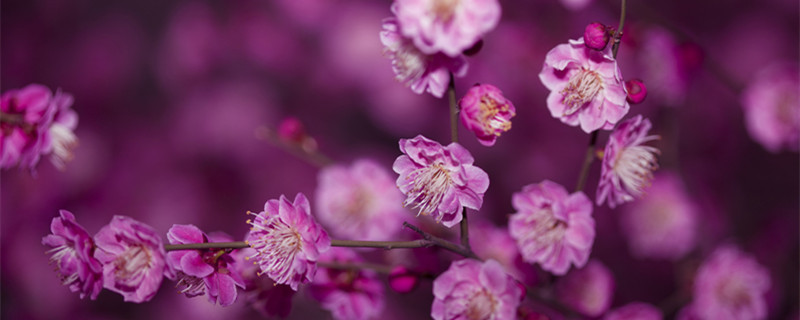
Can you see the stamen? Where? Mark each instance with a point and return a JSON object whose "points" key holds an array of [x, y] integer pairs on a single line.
{"points": [[429, 186], [582, 88]]}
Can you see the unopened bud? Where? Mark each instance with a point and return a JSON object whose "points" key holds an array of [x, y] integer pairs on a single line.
{"points": [[291, 129], [596, 36], [637, 91], [402, 280]]}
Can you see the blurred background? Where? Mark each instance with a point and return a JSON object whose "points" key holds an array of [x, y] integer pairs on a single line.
{"points": [[170, 94]]}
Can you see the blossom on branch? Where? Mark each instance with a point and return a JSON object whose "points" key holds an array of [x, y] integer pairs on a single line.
{"points": [[486, 112], [439, 181], [552, 228], [210, 271], [471, 289], [133, 259], [287, 240], [585, 86], [72, 255], [588, 290]]}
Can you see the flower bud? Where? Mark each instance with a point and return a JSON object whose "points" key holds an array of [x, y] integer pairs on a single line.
{"points": [[596, 36], [291, 129], [402, 280], [637, 91]]}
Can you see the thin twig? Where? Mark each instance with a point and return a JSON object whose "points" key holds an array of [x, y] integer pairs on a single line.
{"points": [[314, 157], [443, 243]]}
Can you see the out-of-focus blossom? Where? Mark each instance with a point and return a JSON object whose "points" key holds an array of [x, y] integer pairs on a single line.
{"points": [[439, 181], [596, 36], [667, 65], [588, 290], [262, 294], [637, 91], [403, 280], [663, 224], [359, 202], [420, 71], [497, 244], [486, 112], [575, 5], [24, 121], [347, 294], [730, 284], [449, 26], [287, 240], [628, 165], [552, 228], [133, 259], [635, 311], [210, 271], [72, 254], [772, 108], [585, 86], [60, 138], [471, 289]]}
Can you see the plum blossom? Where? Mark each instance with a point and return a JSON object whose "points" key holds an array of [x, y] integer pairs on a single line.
{"points": [[772, 108], [348, 294], [287, 240], [628, 164], [486, 112], [439, 181], [471, 289], [133, 259], [663, 224], [588, 290], [635, 311], [210, 271], [359, 202], [585, 86], [72, 254], [448, 26], [262, 294], [552, 228], [25, 115], [730, 284], [420, 71], [60, 138]]}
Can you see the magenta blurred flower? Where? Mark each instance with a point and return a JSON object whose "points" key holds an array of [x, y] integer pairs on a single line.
{"points": [[471, 289], [60, 138], [486, 112], [628, 165], [73, 256], [24, 121], [448, 26], [497, 244], [133, 259], [588, 290], [637, 91], [730, 284], [211, 271], [359, 202], [635, 311], [287, 240], [403, 280], [663, 224], [667, 65], [585, 86], [348, 294], [262, 294], [772, 108], [552, 228], [440, 181], [596, 36], [421, 72]]}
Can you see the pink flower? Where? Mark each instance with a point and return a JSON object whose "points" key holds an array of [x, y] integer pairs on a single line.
{"points": [[264, 295], [585, 86], [73, 256], [133, 259], [628, 165], [25, 116], [211, 271], [497, 244], [420, 71], [471, 289], [60, 138], [589, 290], [440, 181], [449, 26], [635, 311], [663, 224], [772, 108], [287, 241], [552, 228], [730, 284], [359, 202], [348, 294], [486, 112], [403, 280]]}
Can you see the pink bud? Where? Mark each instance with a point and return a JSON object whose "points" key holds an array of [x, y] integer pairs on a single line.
{"points": [[596, 36], [291, 129], [402, 280], [637, 91]]}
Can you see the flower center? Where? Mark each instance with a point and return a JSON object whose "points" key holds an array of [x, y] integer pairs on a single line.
{"points": [[733, 293], [409, 63], [582, 88], [444, 10], [276, 247], [59, 254], [547, 229], [64, 140], [635, 166], [430, 185], [133, 262], [481, 306], [494, 116], [190, 285]]}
